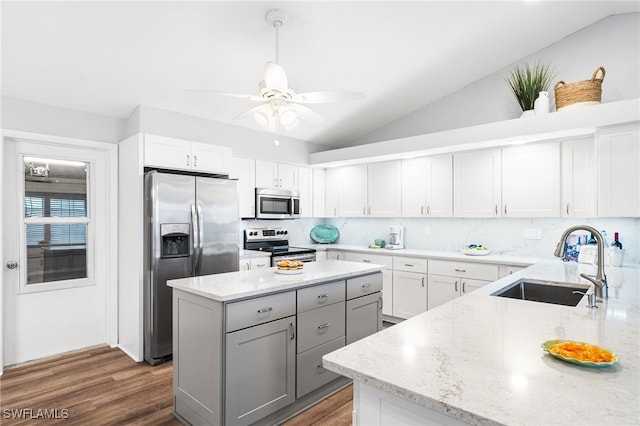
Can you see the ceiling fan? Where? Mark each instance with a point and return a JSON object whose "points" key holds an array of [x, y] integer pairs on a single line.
{"points": [[281, 107]]}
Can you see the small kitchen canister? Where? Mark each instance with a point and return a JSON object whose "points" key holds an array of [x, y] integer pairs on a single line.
{"points": [[541, 104]]}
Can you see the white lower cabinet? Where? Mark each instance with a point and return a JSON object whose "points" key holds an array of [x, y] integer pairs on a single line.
{"points": [[248, 263], [504, 270], [450, 279], [409, 286]]}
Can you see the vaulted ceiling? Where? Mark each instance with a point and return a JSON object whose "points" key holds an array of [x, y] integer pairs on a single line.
{"points": [[108, 57]]}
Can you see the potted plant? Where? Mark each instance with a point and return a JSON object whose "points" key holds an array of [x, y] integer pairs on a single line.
{"points": [[527, 81]]}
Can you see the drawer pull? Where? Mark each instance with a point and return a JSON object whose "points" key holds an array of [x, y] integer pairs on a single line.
{"points": [[263, 310], [323, 296], [366, 260], [319, 366], [323, 326], [366, 285], [292, 327], [456, 286], [409, 264], [464, 289], [460, 270]]}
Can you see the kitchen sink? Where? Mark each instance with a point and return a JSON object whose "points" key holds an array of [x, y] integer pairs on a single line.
{"points": [[544, 291]]}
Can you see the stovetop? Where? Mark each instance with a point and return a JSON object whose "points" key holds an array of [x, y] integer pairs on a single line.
{"points": [[272, 240]]}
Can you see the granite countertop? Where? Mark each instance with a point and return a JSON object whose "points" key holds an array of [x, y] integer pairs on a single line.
{"points": [[432, 254], [232, 286], [478, 358]]}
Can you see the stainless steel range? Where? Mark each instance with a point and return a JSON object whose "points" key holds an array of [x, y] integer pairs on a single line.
{"points": [[276, 241]]}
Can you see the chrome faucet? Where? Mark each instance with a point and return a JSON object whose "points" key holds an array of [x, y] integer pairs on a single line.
{"points": [[600, 280]]}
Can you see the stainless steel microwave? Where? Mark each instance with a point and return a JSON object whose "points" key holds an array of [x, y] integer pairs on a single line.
{"points": [[277, 204]]}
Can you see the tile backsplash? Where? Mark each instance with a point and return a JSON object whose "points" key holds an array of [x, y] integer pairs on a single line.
{"points": [[501, 235]]}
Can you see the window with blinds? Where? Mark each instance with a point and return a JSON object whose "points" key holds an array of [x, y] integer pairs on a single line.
{"points": [[56, 219]]}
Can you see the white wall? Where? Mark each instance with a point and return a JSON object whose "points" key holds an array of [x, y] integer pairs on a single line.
{"points": [[613, 43], [501, 235]]}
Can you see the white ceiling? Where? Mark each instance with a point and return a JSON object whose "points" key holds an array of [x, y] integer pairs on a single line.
{"points": [[109, 57]]}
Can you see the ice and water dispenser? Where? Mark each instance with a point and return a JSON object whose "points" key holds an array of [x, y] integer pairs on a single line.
{"points": [[175, 239]]}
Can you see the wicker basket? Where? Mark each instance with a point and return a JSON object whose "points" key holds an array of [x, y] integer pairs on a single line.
{"points": [[584, 92]]}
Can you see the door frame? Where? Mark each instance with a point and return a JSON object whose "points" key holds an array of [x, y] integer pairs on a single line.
{"points": [[111, 262]]}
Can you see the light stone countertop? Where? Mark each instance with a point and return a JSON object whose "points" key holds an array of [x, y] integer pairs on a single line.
{"points": [[478, 358], [231, 286], [496, 258]]}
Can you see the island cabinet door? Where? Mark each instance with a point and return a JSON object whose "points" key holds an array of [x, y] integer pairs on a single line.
{"points": [[261, 368]]}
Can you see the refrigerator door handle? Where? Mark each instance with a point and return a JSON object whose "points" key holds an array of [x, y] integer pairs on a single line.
{"points": [[200, 238], [195, 244]]}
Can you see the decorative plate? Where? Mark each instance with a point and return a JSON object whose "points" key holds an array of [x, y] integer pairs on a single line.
{"points": [[289, 271], [475, 250], [324, 234], [546, 347]]}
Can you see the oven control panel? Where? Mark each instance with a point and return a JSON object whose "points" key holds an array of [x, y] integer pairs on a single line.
{"points": [[266, 234]]}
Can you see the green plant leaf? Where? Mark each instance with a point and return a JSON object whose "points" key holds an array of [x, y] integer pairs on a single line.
{"points": [[528, 80]]}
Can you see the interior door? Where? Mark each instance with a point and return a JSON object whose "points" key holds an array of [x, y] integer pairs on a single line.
{"points": [[55, 239]]}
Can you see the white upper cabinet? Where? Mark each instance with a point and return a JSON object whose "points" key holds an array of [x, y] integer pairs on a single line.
{"points": [[331, 191], [578, 176], [352, 190], [244, 169], [384, 189], [276, 175], [366, 190], [476, 183], [170, 153], [531, 180], [305, 186], [318, 193], [427, 186], [619, 182]]}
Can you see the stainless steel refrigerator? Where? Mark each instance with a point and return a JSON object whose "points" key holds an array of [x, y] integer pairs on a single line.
{"points": [[191, 229]]}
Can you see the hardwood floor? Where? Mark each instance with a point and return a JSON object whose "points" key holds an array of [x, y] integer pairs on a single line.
{"points": [[103, 386]]}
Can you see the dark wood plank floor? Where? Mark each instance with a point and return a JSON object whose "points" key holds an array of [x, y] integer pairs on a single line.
{"points": [[103, 386]]}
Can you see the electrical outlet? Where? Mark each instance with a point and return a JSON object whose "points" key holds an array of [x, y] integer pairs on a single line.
{"points": [[532, 234]]}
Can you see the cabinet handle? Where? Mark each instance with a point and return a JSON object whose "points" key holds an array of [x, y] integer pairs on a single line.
{"points": [[337, 257], [464, 287], [460, 270], [567, 208], [505, 209], [380, 303], [364, 211], [323, 326], [280, 182], [409, 264], [366, 285], [248, 266], [334, 212], [275, 182], [366, 260], [195, 161], [421, 210], [323, 296], [456, 286], [496, 209], [188, 159], [369, 210], [263, 310], [261, 265], [428, 210], [319, 366], [422, 279], [292, 328]]}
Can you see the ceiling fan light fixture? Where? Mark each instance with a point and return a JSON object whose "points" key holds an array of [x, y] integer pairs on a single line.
{"points": [[262, 118], [287, 117]]}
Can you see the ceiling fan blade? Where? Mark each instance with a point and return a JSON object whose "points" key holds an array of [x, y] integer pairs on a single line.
{"points": [[232, 95], [305, 113], [326, 96], [260, 108], [275, 77]]}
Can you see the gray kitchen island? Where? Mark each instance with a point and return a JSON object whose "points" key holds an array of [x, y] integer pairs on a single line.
{"points": [[248, 346]]}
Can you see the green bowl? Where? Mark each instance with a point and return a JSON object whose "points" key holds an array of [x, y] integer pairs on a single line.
{"points": [[324, 234]]}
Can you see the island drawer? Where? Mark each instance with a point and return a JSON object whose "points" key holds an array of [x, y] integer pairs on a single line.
{"points": [[364, 285], [319, 326], [250, 312], [410, 264], [481, 271], [321, 295], [311, 374]]}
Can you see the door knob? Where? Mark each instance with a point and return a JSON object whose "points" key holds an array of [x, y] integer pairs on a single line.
{"points": [[12, 264]]}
